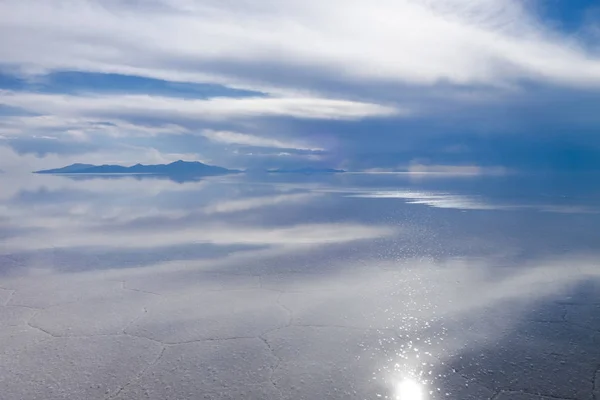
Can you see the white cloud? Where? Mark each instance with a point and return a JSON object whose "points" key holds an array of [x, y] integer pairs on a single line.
{"points": [[79, 128], [229, 137], [245, 43], [214, 109]]}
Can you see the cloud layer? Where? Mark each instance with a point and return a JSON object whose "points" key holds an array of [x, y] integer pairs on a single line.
{"points": [[460, 41], [213, 109], [320, 75]]}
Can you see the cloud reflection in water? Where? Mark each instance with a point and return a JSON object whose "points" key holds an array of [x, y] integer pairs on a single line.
{"points": [[329, 272]]}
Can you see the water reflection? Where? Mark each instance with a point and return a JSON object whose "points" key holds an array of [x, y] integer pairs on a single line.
{"points": [[326, 287], [472, 202]]}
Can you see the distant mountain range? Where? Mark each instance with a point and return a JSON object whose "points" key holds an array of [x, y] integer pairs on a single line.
{"points": [[188, 168], [177, 168]]}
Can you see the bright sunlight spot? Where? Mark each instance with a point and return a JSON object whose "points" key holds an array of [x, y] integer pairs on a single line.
{"points": [[409, 390]]}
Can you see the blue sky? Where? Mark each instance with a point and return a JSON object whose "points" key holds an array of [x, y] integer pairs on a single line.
{"points": [[362, 85]]}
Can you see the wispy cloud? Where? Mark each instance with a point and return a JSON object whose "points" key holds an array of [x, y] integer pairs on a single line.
{"points": [[79, 128], [229, 137], [214, 109]]}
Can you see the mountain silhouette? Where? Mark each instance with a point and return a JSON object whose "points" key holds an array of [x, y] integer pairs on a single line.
{"points": [[187, 168]]}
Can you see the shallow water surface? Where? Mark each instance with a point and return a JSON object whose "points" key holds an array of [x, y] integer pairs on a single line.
{"points": [[349, 286]]}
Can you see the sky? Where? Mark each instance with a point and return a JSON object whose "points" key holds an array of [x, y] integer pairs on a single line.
{"points": [[365, 85]]}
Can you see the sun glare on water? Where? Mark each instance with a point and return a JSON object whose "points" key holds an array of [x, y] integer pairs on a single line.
{"points": [[409, 390]]}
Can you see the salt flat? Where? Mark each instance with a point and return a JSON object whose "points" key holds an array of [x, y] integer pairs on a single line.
{"points": [[393, 304]]}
